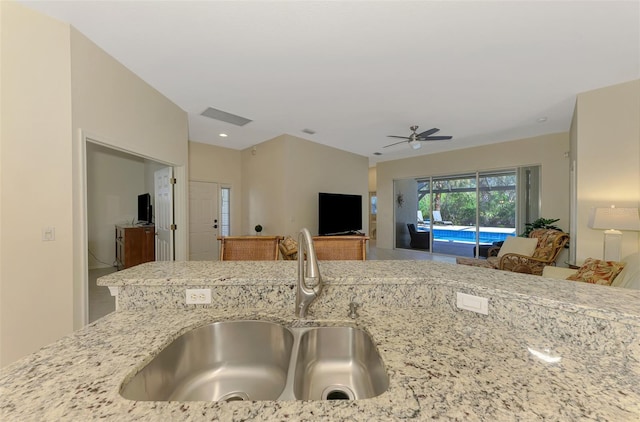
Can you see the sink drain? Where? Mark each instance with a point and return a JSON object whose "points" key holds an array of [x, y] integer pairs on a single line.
{"points": [[338, 392], [235, 396]]}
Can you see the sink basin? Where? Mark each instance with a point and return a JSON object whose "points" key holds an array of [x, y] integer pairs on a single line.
{"points": [[234, 360], [338, 363], [259, 360]]}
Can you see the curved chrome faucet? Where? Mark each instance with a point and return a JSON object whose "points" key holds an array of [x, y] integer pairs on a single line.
{"points": [[307, 293]]}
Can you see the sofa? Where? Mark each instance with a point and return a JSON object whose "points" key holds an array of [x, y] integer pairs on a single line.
{"points": [[628, 278]]}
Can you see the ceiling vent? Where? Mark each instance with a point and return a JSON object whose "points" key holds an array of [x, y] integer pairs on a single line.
{"points": [[223, 116]]}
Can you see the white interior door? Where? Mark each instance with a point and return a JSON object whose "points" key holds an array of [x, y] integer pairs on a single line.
{"points": [[203, 221], [163, 190]]}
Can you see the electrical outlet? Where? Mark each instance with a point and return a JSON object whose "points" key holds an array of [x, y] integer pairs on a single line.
{"points": [[472, 303], [198, 296]]}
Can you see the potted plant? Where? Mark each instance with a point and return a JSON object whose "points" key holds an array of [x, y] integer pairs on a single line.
{"points": [[258, 228], [540, 223]]}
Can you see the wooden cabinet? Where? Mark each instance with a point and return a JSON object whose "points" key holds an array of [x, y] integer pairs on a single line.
{"points": [[135, 245]]}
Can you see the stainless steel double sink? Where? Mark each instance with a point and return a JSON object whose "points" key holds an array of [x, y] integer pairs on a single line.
{"points": [[260, 360]]}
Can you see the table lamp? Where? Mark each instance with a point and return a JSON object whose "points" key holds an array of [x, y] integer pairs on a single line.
{"points": [[613, 220]]}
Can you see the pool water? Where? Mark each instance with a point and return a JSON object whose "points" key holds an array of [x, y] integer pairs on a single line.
{"points": [[469, 236]]}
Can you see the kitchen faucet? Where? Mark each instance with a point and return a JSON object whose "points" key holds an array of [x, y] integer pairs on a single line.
{"points": [[307, 293]]}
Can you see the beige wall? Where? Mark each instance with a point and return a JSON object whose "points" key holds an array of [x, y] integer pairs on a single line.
{"points": [[36, 276], [282, 179], [317, 168], [607, 133], [548, 151], [113, 103], [208, 163], [263, 189], [55, 77], [372, 179]]}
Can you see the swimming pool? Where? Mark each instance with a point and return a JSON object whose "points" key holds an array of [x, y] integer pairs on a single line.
{"points": [[469, 235]]}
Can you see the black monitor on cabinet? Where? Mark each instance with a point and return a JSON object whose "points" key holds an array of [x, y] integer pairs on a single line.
{"points": [[145, 216]]}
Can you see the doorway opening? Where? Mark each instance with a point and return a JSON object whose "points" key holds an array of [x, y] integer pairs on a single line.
{"points": [[114, 179]]}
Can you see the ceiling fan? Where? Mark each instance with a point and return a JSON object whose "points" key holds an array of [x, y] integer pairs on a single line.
{"points": [[414, 139]]}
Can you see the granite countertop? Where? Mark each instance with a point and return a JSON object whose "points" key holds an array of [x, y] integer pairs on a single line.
{"points": [[531, 289], [442, 362]]}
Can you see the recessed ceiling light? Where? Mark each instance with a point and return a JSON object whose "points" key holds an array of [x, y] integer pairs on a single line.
{"points": [[541, 119], [309, 131], [223, 135], [377, 153]]}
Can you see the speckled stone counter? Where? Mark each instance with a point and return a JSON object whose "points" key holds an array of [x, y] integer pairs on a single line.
{"points": [[442, 362]]}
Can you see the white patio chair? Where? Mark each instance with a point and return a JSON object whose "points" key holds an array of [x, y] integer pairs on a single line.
{"points": [[437, 219]]}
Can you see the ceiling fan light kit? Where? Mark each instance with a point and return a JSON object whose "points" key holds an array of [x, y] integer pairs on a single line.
{"points": [[415, 138]]}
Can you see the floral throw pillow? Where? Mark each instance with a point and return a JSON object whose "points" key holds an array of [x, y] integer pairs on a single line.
{"points": [[596, 271], [289, 248]]}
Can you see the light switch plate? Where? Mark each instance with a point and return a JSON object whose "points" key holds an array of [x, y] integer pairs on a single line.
{"points": [[48, 234], [198, 296], [472, 303]]}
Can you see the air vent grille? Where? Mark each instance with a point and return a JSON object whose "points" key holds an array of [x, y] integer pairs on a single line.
{"points": [[223, 116]]}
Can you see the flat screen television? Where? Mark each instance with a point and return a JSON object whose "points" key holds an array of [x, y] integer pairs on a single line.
{"points": [[144, 209], [339, 213]]}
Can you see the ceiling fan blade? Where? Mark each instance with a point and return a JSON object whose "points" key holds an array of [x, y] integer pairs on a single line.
{"points": [[435, 138], [401, 137], [390, 145], [428, 132]]}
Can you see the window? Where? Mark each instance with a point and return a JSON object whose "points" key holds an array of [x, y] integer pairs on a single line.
{"points": [[225, 211], [373, 211]]}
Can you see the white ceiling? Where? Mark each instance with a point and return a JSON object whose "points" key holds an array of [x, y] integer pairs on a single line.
{"points": [[356, 71]]}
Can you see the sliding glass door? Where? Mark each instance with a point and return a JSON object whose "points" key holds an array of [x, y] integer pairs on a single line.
{"points": [[465, 214]]}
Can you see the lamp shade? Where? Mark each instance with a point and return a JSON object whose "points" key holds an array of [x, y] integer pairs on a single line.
{"points": [[614, 218]]}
